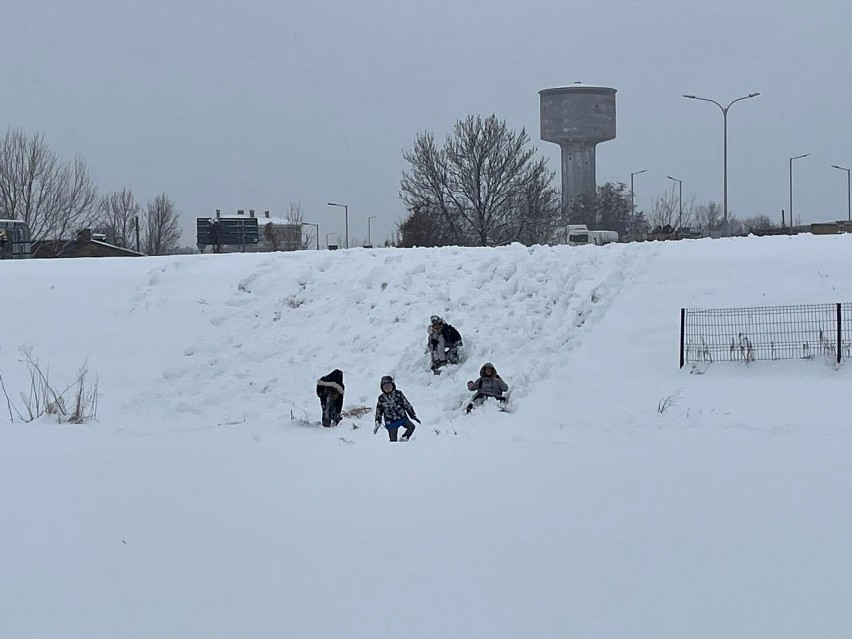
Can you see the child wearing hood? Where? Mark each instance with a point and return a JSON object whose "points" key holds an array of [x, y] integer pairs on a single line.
{"points": [[489, 384], [393, 406]]}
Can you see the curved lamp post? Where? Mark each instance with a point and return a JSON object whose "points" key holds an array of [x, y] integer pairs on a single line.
{"points": [[632, 206], [369, 237], [679, 199], [346, 208], [797, 157], [848, 190], [724, 149]]}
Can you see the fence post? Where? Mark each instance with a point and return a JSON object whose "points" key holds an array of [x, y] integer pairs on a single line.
{"points": [[839, 331], [682, 329]]}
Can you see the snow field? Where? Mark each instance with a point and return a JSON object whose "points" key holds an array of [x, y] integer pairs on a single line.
{"points": [[195, 507]]}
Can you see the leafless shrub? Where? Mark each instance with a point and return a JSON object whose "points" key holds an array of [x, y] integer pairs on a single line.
{"points": [[356, 412], [75, 404], [84, 404], [672, 400]]}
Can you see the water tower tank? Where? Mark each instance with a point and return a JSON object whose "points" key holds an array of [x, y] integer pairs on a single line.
{"points": [[577, 118]]}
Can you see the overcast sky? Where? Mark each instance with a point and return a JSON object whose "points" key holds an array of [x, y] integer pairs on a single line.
{"points": [[260, 103]]}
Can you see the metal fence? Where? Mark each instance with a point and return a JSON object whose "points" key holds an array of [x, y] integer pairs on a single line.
{"points": [[766, 333]]}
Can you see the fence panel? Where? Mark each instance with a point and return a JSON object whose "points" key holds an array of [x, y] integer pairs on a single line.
{"points": [[766, 333]]}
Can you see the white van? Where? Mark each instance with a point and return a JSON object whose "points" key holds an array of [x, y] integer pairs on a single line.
{"points": [[579, 234]]}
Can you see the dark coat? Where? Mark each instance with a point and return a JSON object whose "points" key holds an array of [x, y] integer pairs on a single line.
{"points": [[331, 386], [393, 406], [451, 337]]}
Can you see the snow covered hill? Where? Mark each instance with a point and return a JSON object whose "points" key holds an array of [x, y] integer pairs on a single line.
{"points": [[205, 503]]}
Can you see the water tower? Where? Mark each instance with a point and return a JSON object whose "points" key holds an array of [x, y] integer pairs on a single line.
{"points": [[577, 118]]}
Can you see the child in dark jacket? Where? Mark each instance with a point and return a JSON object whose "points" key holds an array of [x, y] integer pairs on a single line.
{"points": [[393, 406], [330, 392], [444, 344], [489, 384]]}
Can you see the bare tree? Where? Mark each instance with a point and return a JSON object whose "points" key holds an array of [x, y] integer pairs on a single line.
{"points": [[162, 227], [294, 213], [663, 212], [77, 205], [54, 199], [666, 211], [758, 223], [29, 177], [478, 187], [709, 217], [117, 213]]}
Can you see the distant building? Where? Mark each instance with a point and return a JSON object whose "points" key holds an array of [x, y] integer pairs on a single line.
{"points": [[278, 234], [14, 240], [84, 245], [243, 233], [831, 228]]}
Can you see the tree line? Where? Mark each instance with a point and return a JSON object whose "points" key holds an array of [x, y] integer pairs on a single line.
{"points": [[667, 210], [57, 199], [485, 187]]}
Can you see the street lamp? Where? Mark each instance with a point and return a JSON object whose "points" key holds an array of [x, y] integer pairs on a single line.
{"points": [[316, 225], [797, 157], [346, 208], [369, 238], [725, 149], [679, 199], [632, 207], [848, 190]]}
